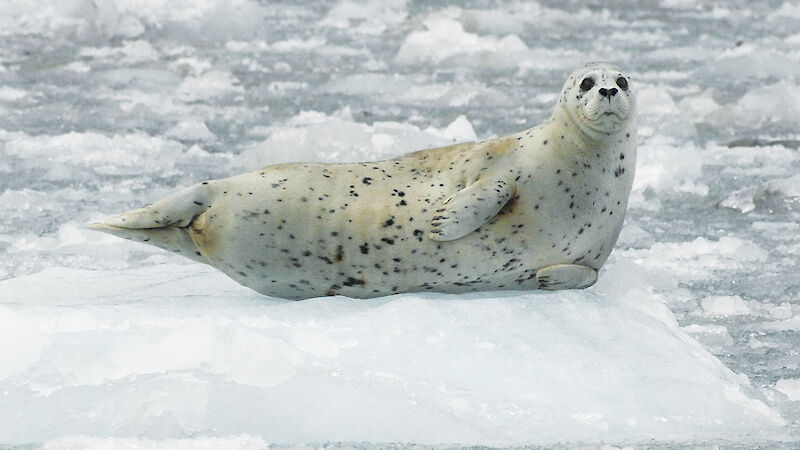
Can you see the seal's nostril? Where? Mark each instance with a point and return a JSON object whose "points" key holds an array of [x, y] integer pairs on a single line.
{"points": [[613, 91], [603, 91]]}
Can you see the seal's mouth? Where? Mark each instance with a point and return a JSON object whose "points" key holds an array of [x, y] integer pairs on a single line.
{"points": [[605, 114]]}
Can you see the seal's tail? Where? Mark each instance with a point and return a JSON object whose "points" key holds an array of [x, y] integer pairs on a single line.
{"points": [[163, 223]]}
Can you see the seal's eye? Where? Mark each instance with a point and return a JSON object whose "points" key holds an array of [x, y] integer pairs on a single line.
{"points": [[587, 84], [622, 83]]}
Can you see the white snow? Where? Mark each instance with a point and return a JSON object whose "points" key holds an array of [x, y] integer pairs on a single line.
{"points": [[184, 347]]}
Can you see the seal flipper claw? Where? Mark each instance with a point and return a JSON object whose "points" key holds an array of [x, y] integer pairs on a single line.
{"points": [[565, 276], [469, 208]]}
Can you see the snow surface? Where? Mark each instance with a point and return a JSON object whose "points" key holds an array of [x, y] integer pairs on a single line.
{"points": [[690, 336]]}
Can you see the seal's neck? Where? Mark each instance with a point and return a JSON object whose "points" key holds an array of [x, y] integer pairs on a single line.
{"points": [[583, 138]]}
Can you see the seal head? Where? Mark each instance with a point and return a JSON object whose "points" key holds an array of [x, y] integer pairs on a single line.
{"points": [[597, 98]]}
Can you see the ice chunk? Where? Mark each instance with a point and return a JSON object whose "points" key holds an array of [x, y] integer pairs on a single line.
{"points": [[790, 187], [748, 198], [131, 52], [751, 159], [68, 156], [753, 61], [9, 94], [741, 199], [678, 4], [634, 236], [313, 136], [234, 442], [712, 336], [295, 45], [372, 17], [445, 42], [724, 305], [494, 21], [460, 130], [209, 85], [773, 105], [663, 165], [698, 258], [129, 27], [699, 106], [780, 101], [400, 89], [190, 130], [167, 351], [21, 343], [787, 10], [655, 100], [789, 387]]}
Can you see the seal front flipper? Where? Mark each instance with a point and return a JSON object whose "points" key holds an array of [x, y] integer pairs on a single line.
{"points": [[565, 276], [163, 223], [469, 208]]}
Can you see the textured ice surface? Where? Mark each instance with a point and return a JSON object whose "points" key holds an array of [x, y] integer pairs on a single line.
{"points": [[106, 105], [218, 359]]}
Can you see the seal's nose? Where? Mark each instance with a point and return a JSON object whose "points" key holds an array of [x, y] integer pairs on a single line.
{"points": [[608, 92]]}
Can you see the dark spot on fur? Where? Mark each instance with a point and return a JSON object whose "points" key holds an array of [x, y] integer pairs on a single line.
{"points": [[350, 281], [339, 254]]}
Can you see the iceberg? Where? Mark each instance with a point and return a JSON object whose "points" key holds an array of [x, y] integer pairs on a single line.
{"points": [[177, 351]]}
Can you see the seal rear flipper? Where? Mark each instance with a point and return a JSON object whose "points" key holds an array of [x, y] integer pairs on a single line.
{"points": [[178, 209], [163, 223], [173, 239], [469, 208]]}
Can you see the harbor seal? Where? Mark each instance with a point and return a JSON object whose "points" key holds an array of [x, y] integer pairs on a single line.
{"points": [[539, 209]]}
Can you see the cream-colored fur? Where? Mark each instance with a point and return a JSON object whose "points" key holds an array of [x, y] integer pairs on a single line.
{"points": [[474, 216]]}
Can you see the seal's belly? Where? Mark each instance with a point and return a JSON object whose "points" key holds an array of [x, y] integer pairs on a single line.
{"points": [[342, 238], [357, 229]]}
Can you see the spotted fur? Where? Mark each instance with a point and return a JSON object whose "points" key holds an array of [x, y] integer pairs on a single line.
{"points": [[468, 217]]}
